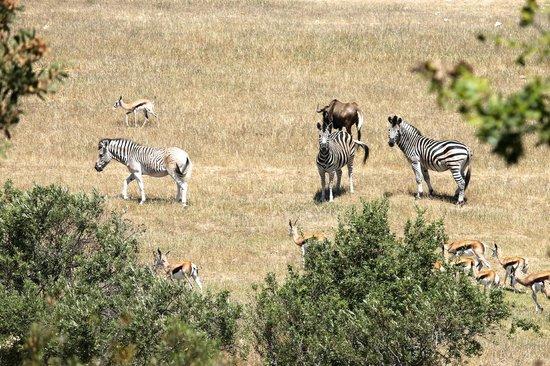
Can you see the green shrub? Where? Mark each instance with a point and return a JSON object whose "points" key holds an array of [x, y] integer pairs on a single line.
{"points": [[71, 290], [370, 298]]}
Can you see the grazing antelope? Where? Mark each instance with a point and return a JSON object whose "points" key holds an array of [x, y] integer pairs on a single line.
{"points": [[342, 115], [536, 282], [510, 265], [142, 105], [469, 247], [303, 239], [487, 277], [184, 269], [439, 266], [145, 160], [468, 263]]}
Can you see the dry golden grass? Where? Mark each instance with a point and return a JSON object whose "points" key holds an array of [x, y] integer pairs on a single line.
{"points": [[235, 84]]}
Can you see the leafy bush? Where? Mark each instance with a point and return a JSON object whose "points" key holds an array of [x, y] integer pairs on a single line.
{"points": [[71, 290], [22, 69], [370, 298], [501, 120]]}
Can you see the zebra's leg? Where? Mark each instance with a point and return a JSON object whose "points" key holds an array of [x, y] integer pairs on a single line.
{"points": [[338, 179], [426, 176], [135, 118], [139, 179], [417, 169], [461, 183], [127, 181], [350, 176], [322, 176], [330, 180], [182, 185], [178, 192]]}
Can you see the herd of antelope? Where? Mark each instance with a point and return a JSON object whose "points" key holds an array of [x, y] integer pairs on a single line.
{"points": [[468, 255]]}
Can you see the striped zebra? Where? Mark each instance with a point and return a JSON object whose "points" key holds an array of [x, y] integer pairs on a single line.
{"points": [[336, 149], [144, 160], [426, 154]]}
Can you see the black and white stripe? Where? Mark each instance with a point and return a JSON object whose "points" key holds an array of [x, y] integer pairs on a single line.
{"points": [[145, 160], [426, 154], [336, 149]]}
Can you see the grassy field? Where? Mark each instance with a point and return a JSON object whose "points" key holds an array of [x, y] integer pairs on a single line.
{"points": [[236, 84]]}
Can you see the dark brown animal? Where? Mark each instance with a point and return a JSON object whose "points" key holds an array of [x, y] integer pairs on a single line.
{"points": [[342, 115]]}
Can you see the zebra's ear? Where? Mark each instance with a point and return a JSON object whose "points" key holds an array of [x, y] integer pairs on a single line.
{"points": [[399, 120], [389, 119], [120, 98], [318, 126]]}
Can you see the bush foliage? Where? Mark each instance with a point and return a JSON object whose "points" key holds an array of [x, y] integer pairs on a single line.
{"points": [[72, 291], [501, 120], [22, 70], [371, 298]]}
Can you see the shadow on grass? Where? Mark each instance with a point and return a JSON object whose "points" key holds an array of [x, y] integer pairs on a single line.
{"points": [[335, 193], [149, 200], [436, 196]]}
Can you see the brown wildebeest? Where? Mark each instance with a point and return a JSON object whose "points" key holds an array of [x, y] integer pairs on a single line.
{"points": [[342, 115]]}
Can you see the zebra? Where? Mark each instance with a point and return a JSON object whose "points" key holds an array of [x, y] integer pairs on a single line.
{"points": [[425, 153], [336, 149], [144, 160]]}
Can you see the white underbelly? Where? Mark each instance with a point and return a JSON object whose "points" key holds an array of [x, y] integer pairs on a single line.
{"points": [[155, 174]]}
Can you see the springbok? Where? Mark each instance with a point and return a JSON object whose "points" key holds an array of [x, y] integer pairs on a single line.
{"points": [[142, 105], [183, 270], [303, 239], [536, 282], [468, 263], [469, 247], [487, 277], [510, 265]]}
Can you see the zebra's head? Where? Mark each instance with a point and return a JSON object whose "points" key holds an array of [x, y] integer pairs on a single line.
{"points": [[105, 155], [118, 103], [394, 130], [324, 134]]}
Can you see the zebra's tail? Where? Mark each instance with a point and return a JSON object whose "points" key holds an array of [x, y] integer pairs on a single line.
{"points": [[360, 119], [466, 170], [365, 147], [185, 168]]}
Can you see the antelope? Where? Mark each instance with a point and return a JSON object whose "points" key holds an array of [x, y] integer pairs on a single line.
{"points": [[536, 282], [510, 265], [439, 266], [142, 105], [183, 270], [303, 239], [469, 247], [487, 277], [468, 263]]}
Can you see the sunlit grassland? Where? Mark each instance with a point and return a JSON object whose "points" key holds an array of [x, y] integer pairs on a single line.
{"points": [[236, 83]]}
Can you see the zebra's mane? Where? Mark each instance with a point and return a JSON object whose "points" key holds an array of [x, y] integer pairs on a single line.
{"points": [[120, 139], [410, 128]]}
